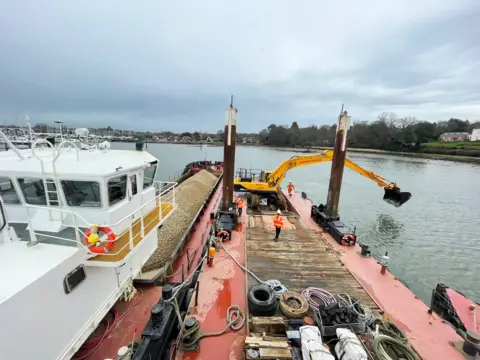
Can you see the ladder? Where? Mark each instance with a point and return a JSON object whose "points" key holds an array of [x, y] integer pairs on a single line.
{"points": [[51, 195]]}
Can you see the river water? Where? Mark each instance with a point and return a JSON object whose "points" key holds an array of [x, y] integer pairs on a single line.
{"points": [[432, 238]]}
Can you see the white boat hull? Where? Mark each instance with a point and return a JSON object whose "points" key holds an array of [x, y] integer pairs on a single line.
{"points": [[56, 324]]}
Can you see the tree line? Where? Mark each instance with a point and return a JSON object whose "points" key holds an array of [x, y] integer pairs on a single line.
{"points": [[387, 132]]}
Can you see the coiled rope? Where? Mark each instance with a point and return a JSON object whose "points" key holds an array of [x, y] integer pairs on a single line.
{"points": [[293, 305], [383, 342], [275, 285], [366, 315], [388, 328], [235, 321], [326, 299]]}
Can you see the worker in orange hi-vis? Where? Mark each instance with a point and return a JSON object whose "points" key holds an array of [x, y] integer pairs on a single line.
{"points": [[290, 188], [240, 205], [278, 224]]}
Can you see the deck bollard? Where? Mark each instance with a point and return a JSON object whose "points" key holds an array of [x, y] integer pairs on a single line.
{"points": [[384, 263]]}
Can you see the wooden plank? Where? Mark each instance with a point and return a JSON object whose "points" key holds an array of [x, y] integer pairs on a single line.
{"points": [[258, 342], [279, 354], [270, 325], [267, 337], [300, 259]]}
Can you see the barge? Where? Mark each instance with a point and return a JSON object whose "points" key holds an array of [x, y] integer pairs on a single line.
{"points": [[243, 295], [228, 311]]}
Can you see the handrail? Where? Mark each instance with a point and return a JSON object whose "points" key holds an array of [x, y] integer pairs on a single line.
{"points": [[34, 145], [11, 146], [63, 143], [144, 205], [109, 225], [170, 186]]}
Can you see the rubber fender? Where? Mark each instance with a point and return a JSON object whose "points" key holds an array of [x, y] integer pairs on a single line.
{"points": [[262, 300], [293, 312]]}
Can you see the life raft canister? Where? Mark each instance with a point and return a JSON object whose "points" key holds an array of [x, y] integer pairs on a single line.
{"points": [[224, 235], [92, 239], [348, 240]]}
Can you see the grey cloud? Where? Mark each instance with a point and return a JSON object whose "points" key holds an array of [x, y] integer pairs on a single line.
{"points": [[161, 65]]}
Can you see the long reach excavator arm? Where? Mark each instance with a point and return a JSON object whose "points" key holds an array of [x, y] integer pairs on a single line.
{"points": [[269, 182]]}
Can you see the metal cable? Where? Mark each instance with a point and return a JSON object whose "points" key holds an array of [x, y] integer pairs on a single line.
{"points": [[367, 315], [275, 285], [324, 296]]}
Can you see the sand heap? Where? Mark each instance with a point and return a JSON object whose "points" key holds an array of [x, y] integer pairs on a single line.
{"points": [[190, 196]]}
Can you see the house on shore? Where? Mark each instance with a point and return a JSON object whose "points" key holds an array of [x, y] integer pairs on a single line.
{"points": [[455, 136], [475, 135]]}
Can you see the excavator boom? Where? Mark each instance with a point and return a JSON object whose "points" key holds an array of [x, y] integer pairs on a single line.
{"points": [[278, 175], [271, 183]]}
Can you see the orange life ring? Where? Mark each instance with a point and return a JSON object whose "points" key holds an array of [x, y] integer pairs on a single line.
{"points": [[101, 249], [223, 232], [348, 240]]}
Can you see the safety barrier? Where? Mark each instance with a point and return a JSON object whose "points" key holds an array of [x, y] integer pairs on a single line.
{"points": [[133, 227]]}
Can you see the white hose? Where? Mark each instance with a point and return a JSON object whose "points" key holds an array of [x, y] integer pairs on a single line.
{"points": [[324, 296], [275, 285]]}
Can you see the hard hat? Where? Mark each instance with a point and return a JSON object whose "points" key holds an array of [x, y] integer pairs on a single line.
{"points": [[279, 212], [289, 182]]}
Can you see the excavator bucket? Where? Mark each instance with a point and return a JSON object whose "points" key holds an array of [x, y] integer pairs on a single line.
{"points": [[395, 197]]}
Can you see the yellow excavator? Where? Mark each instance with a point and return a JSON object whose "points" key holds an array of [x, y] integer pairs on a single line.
{"points": [[268, 182]]}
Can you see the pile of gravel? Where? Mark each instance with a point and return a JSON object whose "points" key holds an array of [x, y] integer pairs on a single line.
{"points": [[190, 196]]}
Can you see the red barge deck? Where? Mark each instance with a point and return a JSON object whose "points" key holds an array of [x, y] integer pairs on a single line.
{"points": [[304, 257], [307, 256]]}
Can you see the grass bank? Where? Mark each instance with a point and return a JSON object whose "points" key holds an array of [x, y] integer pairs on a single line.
{"points": [[451, 151], [464, 145], [418, 155]]}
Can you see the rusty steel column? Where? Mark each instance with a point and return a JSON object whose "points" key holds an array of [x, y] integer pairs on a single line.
{"points": [[229, 156], [338, 163]]}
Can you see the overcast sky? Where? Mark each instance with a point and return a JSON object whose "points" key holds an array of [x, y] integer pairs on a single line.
{"points": [[172, 65]]}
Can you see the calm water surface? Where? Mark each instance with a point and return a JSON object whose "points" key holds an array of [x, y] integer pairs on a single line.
{"points": [[432, 238]]}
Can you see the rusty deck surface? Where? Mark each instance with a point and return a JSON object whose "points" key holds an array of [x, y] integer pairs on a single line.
{"points": [[300, 259]]}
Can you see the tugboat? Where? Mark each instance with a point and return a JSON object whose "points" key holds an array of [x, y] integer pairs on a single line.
{"points": [[77, 226]]}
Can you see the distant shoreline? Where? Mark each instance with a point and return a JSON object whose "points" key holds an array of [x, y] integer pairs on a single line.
{"points": [[312, 149]]}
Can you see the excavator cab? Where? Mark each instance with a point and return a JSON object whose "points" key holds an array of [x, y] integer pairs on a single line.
{"points": [[395, 197], [264, 176]]}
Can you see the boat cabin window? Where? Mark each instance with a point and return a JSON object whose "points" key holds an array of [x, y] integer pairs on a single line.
{"points": [[8, 192], [149, 174], [117, 189], [133, 181], [82, 193], [33, 190]]}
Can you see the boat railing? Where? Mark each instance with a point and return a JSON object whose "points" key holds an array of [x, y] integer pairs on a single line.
{"points": [[131, 229]]}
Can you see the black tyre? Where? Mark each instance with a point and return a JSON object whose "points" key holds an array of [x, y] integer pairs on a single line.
{"points": [[263, 311], [262, 300]]}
